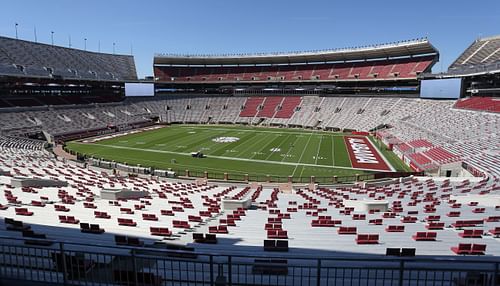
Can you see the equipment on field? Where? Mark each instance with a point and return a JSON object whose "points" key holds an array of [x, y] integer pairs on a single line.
{"points": [[197, 154]]}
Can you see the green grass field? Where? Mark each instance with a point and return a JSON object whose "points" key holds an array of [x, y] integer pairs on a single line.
{"points": [[259, 151]]}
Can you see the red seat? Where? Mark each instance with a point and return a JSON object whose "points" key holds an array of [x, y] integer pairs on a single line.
{"points": [[493, 219], [433, 218], [462, 248], [228, 221], [389, 215], [367, 239], [61, 208], [467, 248], [99, 214], [409, 219], [467, 223], [177, 209], [478, 249], [68, 219], [277, 233], [205, 214], [322, 223], [429, 210], [160, 231], [471, 233], [453, 214], [72, 220], [218, 229], [274, 220], [222, 229], [347, 230], [167, 212], [180, 224], [126, 210], [126, 222], [358, 216], [273, 226], [37, 204], [395, 228], [284, 216], [425, 236], [89, 205], [23, 211], [151, 217], [495, 231], [435, 225], [194, 218]]}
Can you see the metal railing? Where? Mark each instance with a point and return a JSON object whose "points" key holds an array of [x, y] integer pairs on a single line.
{"points": [[78, 264], [238, 177]]}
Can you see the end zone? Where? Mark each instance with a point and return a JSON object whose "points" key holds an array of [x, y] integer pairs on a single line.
{"points": [[364, 155]]}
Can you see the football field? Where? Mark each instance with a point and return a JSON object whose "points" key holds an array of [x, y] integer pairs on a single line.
{"points": [[244, 150]]}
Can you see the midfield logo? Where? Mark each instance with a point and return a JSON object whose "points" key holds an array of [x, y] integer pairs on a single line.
{"points": [[225, 139]]}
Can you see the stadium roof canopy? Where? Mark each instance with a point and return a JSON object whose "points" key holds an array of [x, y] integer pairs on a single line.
{"points": [[483, 51], [390, 50], [481, 57]]}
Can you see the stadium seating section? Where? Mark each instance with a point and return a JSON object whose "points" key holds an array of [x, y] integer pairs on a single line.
{"points": [[429, 133], [369, 70], [490, 104], [23, 58], [288, 222]]}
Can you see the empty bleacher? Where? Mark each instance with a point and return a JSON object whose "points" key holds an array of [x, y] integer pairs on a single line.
{"points": [[24, 58]]}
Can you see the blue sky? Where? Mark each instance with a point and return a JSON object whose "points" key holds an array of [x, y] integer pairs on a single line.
{"points": [[231, 26]]}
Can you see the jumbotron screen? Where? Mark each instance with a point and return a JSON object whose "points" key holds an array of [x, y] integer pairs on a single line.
{"points": [[441, 88], [139, 89]]}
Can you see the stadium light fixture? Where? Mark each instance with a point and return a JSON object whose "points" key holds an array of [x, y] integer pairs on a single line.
{"points": [[85, 44], [16, 29], [52, 37]]}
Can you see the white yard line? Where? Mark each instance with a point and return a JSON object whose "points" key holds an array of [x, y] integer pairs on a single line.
{"points": [[319, 148], [301, 155], [236, 159], [289, 149], [333, 151]]}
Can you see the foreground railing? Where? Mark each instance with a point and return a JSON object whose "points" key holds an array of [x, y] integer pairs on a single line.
{"points": [[79, 264]]}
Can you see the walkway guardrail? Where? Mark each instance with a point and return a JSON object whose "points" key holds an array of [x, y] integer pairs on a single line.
{"points": [[84, 264]]}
